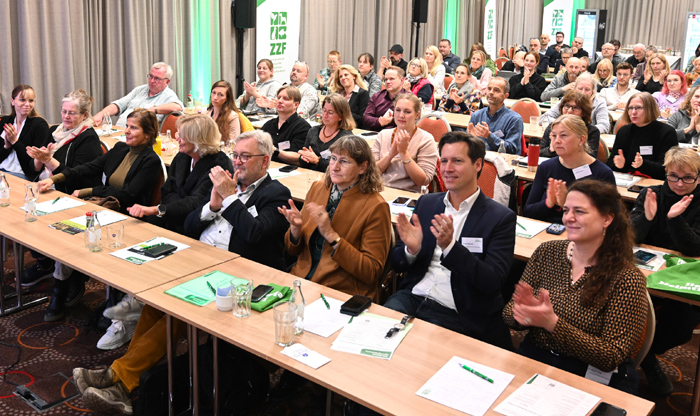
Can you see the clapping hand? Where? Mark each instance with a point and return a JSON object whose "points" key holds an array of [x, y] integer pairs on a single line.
{"points": [[556, 193], [619, 159], [650, 205], [42, 154], [401, 140], [266, 102], [308, 156], [319, 215], [529, 310], [250, 89], [10, 135], [385, 62], [410, 234], [225, 185], [679, 207], [455, 96], [292, 215], [319, 79], [638, 161], [443, 229]]}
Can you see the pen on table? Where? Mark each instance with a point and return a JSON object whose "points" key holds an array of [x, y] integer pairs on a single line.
{"points": [[211, 287], [521, 226], [476, 373], [154, 245], [328, 306], [55, 200]]}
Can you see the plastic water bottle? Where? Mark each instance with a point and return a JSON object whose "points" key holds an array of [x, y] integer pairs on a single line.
{"points": [[93, 232], [4, 191], [298, 299], [169, 147], [108, 124], [30, 203], [502, 147]]}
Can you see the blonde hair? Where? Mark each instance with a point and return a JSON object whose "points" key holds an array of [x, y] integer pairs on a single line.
{"points": [[201, 131], [335, 85], [423, 67], [662, 58], [682, 158], [438, 59], [575, 125], [605, 63]]}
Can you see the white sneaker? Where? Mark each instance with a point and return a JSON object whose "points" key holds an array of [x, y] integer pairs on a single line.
{"points": [[128, 309], [118, 334]]}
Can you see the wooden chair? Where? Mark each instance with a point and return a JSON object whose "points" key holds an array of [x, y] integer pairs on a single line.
{"points": [[169, 123], [434, 124], [500, 62], [527, 108], [603, 151], [448, 81], [644, 343]]}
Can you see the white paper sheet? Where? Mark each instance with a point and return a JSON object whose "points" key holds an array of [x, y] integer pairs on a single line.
{"points": [[105, 217], [542, 396], [322, 321], [455, 387], [625, 180], [276, 174], [132, 255], [306, 356], [365, 336], [532, 228], [63, 203]]}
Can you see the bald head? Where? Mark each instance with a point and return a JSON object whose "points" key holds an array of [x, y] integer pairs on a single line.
{"points": [[573, 68]]}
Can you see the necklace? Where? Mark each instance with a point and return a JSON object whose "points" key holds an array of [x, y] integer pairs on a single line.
{"points": [[323, 133]]}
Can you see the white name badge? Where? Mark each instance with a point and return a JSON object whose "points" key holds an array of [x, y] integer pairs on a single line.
{"points": [[582, 171], [498, 134], [253, 211], [671, 99], [474, 244], [284, 145], [646, 150], [326, 154], [597, 375]]}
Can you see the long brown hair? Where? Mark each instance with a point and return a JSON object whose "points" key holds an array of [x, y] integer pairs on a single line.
{"points": [[20, 90], [615, 253], [229, 105]]}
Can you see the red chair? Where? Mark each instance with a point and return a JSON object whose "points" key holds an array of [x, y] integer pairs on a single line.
{"points": [[500, 62], [527, 108], [448, 81], [487, 179], [169, 123], [434, 124]]}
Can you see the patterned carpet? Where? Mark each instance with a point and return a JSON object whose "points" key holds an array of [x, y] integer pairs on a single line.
{"points": [[49, 351]]}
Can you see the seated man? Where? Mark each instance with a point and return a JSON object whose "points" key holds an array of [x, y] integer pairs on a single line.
{"points": [[241, 216], [497, 124], [449, 60], [639, 69], [637, 56], [607, 51], [156, 96], [324, 78], [554, 51], [395, 59], [544, 40], [560, 65], [516, 64], [577, 48], [308, 107], [288, 130], [544, 60], [456, 250], [563, 82], [379, 113], [616, 97]]}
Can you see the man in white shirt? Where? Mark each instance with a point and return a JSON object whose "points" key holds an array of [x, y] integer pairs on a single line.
{"points": [[616, 97], [456, 250], [156, 96]]}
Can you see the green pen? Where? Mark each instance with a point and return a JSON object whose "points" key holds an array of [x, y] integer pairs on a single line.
{"points": [[521, 226], [328, 306], [476, 373], [55, 200], [211, 287]]}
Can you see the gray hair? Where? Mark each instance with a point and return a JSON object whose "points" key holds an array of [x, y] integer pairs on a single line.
{"points": [[263, 139], [567, 50], [306, 66], [652, 48], [81, 99], [168, 69]]}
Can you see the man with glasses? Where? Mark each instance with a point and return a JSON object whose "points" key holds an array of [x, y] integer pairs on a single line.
{"points": [[324, 78], [616, 98], [638, 55], [639, 69], [560, 65], [607, 51], [554, 51], [288, 130], [563, 82], [156, 96]]}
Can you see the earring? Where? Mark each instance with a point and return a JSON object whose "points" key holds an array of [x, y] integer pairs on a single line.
{"points": [[604, 230]]}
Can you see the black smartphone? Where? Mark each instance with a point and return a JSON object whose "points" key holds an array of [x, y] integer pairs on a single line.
{"points": [[260, 292], [159, 250], [355, 305], [643, 257], [288, 168], [411, 203], [636, 188], [400, 200], [606, 409], [369, 133], [556, 229]]}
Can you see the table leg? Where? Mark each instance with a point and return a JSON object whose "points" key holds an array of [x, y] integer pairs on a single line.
{"points": [[329, 401], [19, 266], [215, 356], [195, 369], [171, 355], [695, 406]]}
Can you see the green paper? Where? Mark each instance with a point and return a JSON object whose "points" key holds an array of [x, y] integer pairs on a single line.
{"points": [[197, 292]]}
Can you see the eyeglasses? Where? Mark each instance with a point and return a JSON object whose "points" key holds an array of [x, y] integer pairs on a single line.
{"points": [[685, 179], [635, 108], [414, 65], [70, 114], [244, 158], [572, 107], [330, 113], [156, 78], [344, 163]]}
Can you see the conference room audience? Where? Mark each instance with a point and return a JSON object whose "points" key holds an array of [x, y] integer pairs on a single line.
{"points": [[488, 62], [224, 111], [671, 96], [583, 300], [516, 64], [288, 130], [436, 70], [449, 60], [578, 104], [655, 74], [380, 109], [498, 124], [341, 237], [641, 67], [585, 84], [562, 83], [460, 96], [642, 141], [482, 74], [668, 216], [616, 97], [348, 82], [131, 171], [23, 128], [604, 75], [535, 46], [336, 122], [686, 121], [406, 155], [417, 81], [528, 84], [324, 78], [365, 64], [156, 96], [572, 162], [266, 86], [694, 73]]}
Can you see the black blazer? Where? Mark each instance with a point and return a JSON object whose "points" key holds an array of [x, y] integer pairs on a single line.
{"points": [[259, 238], [83, 149], [476, 278], [34, 133], [358, 104], [139, 181], [533, 89], [184, 191]]}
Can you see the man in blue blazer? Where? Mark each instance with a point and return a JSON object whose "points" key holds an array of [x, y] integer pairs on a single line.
{"points": [[456, 250], [241, 214]]}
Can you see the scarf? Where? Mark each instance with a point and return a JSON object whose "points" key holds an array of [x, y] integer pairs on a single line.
{"points": [[675, 95], [412, 79], [478, 72], [62, 136]]}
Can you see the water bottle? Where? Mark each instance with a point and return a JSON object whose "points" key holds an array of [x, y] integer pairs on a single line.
{"points": [[108, 123], [4, 191], [298, 299], [93, 232], [169, 146], [30, 203], [502, 147], [424, 190]]}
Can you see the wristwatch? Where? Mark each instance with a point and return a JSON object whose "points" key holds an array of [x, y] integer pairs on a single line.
{"points": [[398, 327], [161, 210], [335, 242]]}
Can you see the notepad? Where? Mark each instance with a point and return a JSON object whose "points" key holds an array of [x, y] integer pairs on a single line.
{"points": [[55, 205], [197, 292], [527, 228], [542, 396]]}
